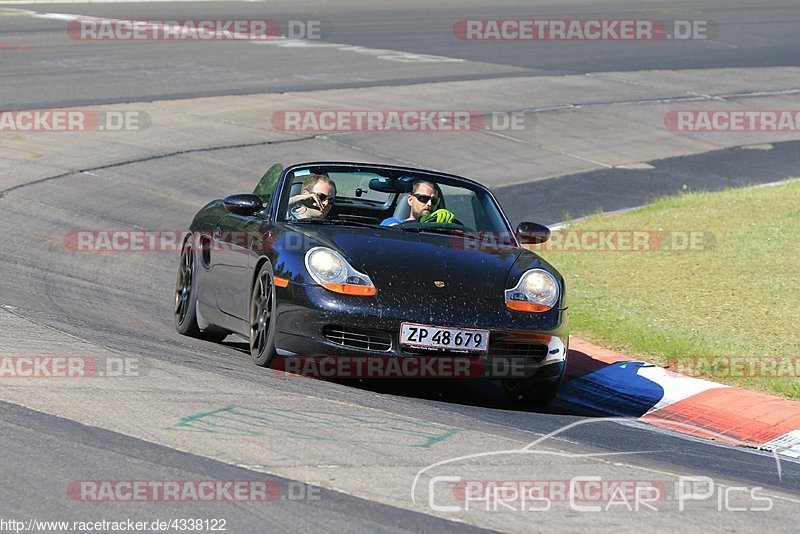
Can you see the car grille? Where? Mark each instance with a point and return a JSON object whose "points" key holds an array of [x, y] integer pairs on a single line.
{"points": [[531, 352], [358, 338]]}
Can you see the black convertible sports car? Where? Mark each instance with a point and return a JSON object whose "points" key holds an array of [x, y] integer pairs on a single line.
{"points": [[306, 274]]}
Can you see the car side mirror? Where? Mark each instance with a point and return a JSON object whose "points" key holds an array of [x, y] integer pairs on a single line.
{"points": [[531, 233], [245, 204]]}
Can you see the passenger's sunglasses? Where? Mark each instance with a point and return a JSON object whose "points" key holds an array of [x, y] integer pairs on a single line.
{"points": [[325, 198], [426, 198]]}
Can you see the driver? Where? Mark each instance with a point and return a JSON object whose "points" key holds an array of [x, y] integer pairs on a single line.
{"points": [[423, 199]]}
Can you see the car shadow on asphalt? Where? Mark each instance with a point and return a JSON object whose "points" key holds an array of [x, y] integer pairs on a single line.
{"points": [[591, 388]]}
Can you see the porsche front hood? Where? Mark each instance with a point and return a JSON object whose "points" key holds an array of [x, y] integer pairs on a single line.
{"points": [[422, 264]]}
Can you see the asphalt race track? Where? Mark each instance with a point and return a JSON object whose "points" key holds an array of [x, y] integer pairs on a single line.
{"points": [[751, 35], [343, 456]]}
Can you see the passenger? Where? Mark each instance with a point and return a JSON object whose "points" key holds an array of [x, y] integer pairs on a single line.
{"points": [[316, 198], [423, 199]]}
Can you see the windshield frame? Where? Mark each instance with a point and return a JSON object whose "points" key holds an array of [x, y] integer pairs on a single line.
{"points": [[282, 198]]}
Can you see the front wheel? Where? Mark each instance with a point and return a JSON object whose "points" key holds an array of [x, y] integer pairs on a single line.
{"points": [[262, 318]]}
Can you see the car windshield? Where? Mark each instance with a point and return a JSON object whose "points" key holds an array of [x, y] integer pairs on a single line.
{"points": [[384, 198]]}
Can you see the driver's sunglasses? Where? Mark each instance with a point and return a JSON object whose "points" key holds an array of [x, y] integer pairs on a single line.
{"points": [[426, 198], [325, 198]]}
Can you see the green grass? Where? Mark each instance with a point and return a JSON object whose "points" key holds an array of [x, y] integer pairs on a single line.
{"points": [[737, 298]]}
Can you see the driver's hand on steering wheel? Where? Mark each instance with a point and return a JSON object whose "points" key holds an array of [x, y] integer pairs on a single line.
{"points": [[438, 216]]}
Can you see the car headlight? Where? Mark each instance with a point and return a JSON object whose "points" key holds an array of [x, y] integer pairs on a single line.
{"points": [[330, 270], [536, 291]]}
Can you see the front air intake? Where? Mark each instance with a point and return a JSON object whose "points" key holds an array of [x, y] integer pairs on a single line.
{"points": [[358, 338]]}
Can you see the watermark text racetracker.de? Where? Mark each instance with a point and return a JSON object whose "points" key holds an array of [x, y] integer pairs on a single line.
{"points": [[231, 491], [716, 367], [399, 120], [619, 29], [74, 120], [55, 366], [167, 240], [740, 120], [451, 366], [196, 30], [129, 240], [565, 240], [572, 240]]}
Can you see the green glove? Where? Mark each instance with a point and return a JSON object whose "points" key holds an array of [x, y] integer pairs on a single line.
{"points": [[438, 216]]}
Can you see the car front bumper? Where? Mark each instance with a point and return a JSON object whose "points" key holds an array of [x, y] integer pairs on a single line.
{"points": [[521, 345]]}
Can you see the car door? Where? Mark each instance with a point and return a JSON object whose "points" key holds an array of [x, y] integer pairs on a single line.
{"points": [[231, 247], [230, 252]]}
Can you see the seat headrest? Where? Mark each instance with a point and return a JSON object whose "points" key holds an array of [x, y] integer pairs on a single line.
{"points": [[403, 208]]}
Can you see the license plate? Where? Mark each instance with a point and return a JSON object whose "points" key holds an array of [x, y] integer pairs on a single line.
{"points": [[438, 337]]}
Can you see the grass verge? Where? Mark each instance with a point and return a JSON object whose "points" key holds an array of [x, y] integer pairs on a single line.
{"points": [[713, 289]]}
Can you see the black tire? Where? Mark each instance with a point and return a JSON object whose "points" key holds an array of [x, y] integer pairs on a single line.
{"points": [[262, 317], [186, 299], [530, 392]]}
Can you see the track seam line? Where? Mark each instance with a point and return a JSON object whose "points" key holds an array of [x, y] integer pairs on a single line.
{"points": [[329, 136], [142, 159]]}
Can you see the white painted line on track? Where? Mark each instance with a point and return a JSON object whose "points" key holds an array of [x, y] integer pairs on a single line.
{"points": [[282, 42], [59, 16], [379, 53], [13, 12], [35, 2]]}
